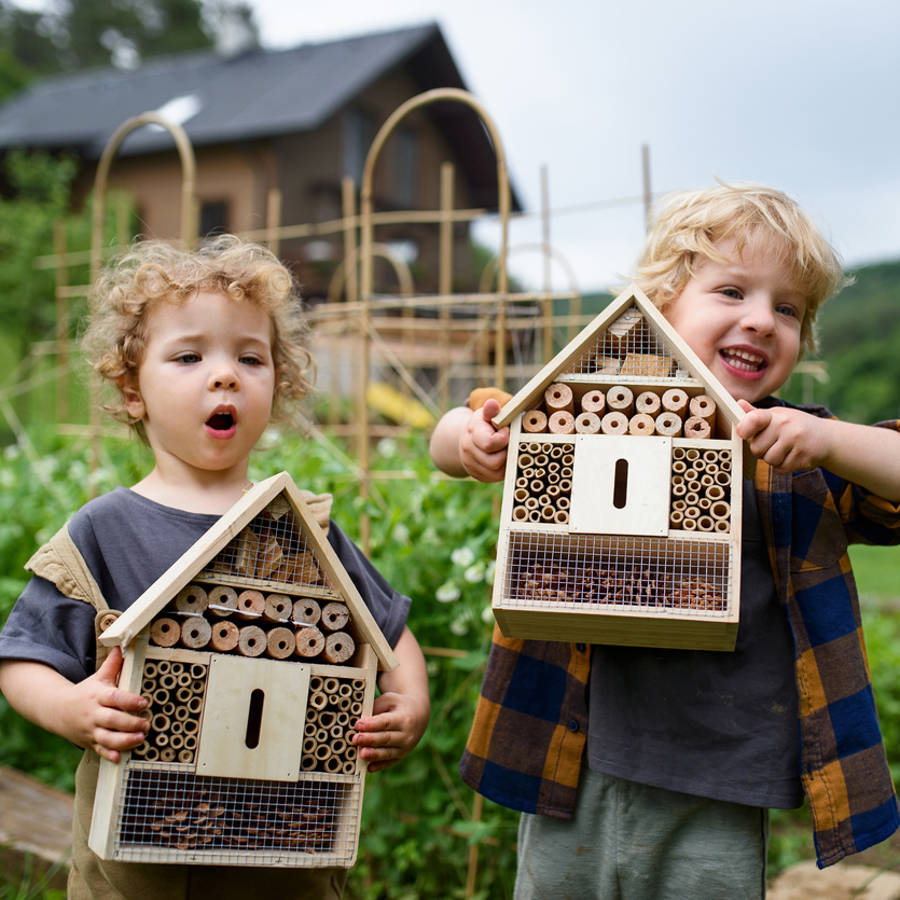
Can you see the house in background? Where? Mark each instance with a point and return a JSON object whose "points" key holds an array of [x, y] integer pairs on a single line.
{"points": [[298, 120]]}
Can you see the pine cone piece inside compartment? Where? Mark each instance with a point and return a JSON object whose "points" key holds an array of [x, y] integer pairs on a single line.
{"points": [[592, 585]]}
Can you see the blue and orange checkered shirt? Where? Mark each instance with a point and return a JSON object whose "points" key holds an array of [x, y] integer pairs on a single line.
{"points": [[527, 740]]}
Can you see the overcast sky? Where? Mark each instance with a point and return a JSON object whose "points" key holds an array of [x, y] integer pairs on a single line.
{"points": [[803, 95]]}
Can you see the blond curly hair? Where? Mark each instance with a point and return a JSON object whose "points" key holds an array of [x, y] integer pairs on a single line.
{"points": [[686, 226], [153, 271]]}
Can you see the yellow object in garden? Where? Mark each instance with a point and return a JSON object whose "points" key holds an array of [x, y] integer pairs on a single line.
{"points": [[395, 406]]}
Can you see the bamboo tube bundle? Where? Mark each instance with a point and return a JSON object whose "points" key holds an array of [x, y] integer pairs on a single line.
{"points": [[175, 702], [539, 483], [700, 497], [329, 728]]}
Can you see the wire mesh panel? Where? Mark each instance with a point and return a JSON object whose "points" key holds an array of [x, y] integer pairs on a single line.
{"points": [[273, 548], [628, 348], [616, 572], [176, 816]]}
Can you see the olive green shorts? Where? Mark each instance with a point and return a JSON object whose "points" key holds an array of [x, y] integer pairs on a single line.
{"points": [[630, 841]]}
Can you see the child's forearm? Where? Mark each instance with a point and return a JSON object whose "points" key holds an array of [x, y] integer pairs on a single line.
{"points": [[411, 676], [93, 713], [444, 445], [866, 455], [38, 693]]}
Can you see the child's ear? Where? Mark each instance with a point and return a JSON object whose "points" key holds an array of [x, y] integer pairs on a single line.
{"points": [[134, 403]]}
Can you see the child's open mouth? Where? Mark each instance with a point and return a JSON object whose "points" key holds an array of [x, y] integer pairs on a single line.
{"points": [[743, 360], [221, 423]]}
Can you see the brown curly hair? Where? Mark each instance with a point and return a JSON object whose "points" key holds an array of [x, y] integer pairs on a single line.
{"points": [[153, 271], [687, 225]]}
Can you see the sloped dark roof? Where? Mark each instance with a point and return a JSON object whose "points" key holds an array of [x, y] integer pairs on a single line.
{"points": [[254, 95]]}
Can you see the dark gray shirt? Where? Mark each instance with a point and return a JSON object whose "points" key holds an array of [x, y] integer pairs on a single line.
{"points": [[712, 724], [127, 542]]}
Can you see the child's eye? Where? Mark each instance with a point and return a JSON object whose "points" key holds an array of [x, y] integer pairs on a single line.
{"points": [[785, 309], [188, 357], [731, 292], [251, 360]]}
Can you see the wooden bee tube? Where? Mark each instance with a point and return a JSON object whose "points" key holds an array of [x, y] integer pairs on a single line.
{"points": [[668, 424], [318, 699], [310, 641], [335, 616], [165, 632], [196, 633], [648, 403], [278, 608], [594, 402], [534, 421], [281, 643], [224, 636], [587, 423], [192, 599], [641, 424], [704, 407], [251, 641], [222, 601], [698, 428], [339, 647], [559, 397], [620, 399], [250, 604], [561, 422], [720, 510], [675, 401], [306, 612], [614, 423]]}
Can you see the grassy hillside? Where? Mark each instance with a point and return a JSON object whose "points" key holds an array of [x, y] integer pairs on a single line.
{"points": [[859, 342]]}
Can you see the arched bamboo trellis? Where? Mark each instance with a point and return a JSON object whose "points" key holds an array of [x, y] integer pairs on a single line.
{"points": [[437, 95]]}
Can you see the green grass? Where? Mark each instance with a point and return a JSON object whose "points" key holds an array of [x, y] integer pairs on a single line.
{"points": [[877, 571]]}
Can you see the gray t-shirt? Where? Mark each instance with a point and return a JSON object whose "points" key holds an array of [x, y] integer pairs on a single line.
{"points": [[713, 724], [127, 542]]}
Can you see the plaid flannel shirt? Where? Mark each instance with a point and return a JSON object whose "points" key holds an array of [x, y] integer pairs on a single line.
{"points": [[527, 740]]}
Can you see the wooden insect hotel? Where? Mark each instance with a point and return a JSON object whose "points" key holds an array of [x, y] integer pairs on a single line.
{"points": [[621, 515], [257, 655]]}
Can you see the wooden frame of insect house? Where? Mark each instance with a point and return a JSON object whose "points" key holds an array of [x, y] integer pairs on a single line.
{"points": [[621, 514], [256, 654]]}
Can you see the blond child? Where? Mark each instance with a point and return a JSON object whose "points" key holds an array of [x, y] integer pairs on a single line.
{"points": [[201, 348], [647, 773]]}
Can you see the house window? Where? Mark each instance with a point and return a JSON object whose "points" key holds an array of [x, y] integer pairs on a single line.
{"points": [[405, 167], [359, 132], [213, 217]]}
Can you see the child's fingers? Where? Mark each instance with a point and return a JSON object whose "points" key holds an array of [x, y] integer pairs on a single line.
{"points": [[490, 409], [111, 667]]}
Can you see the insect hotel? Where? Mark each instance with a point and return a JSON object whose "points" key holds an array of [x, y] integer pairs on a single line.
{"points": [[621, 515], [257, 655]]}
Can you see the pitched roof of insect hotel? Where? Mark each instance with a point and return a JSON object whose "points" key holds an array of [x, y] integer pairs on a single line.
{"points": [[269, 535], [630, 342]]}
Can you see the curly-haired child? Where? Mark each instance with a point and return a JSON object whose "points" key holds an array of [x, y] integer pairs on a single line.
{"points": [[200, 346]]}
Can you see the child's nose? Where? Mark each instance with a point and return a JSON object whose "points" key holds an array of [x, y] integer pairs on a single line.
{"points": [[759, 317], [224, 378]]}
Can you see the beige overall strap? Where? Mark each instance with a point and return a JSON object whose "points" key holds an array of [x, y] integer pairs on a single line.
{"points": [[320, 506], [60, 562]]}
